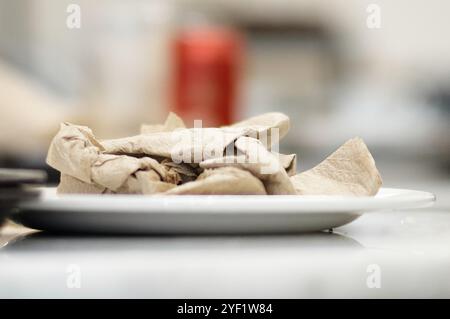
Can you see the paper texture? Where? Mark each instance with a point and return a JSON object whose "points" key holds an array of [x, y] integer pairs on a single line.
{"points": [[192, 145], [201, 143], [222, 181], [350, 170], [289, 162], [264, 165], [75, 152], [72, 185], [173, 160]]}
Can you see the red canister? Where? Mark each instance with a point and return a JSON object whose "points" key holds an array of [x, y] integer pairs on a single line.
{"points": [[206, 67]]}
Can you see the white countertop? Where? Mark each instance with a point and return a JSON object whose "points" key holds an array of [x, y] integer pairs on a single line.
{"points": [[405, 253]]}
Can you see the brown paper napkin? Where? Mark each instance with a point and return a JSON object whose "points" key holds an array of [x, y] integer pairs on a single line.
{"points": [[350, 170], [237, 159], [264, 165]]}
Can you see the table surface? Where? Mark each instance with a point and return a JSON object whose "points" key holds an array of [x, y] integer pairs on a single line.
{"points": [[381, 254]]}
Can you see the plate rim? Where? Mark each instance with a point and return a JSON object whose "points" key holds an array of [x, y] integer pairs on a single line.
{"points": [[248, 204]]}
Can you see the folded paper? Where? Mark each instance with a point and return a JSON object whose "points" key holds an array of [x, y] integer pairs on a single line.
{"points": [[350, 170]]}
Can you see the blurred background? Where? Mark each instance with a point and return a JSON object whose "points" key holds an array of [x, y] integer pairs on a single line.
{"points": [[326, 64]]}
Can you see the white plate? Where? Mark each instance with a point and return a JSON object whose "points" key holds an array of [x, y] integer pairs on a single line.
{"points": [[137, 214]]}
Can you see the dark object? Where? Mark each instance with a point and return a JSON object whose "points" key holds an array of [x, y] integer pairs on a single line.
{"points": [[12, 177], [10, 194], [14, 189]]}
